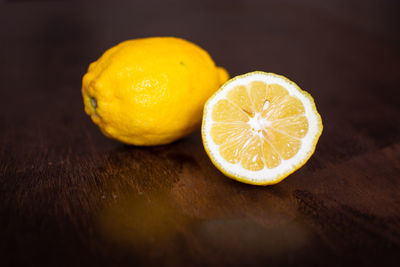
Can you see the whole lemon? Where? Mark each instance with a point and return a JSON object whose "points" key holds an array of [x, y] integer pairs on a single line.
{"points": [[150, 91]]}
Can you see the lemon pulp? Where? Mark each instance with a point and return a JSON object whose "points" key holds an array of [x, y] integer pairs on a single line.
{"points": [[257, 128]]}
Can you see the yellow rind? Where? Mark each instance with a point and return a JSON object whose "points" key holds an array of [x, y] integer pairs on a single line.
{"points": [[150, 91], [279, 178]]}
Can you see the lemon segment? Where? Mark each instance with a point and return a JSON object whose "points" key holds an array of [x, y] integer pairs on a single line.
{"points": [[287, 146], [231, 150], [225, 111], [271, 156], [258, 95], [221, 132], [283, 107], [260, 127], [296, 126], [239, 97], [252, 155]]}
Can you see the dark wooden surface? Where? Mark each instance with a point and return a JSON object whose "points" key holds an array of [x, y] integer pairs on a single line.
{"points": [[71, 197]]}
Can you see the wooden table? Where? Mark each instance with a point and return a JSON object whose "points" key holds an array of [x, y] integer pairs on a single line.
{"points": [[71, 197]]}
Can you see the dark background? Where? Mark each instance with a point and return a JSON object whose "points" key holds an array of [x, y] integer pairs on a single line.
{"points": [[71, 197]]}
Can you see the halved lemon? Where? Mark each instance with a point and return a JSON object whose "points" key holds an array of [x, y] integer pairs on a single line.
{"points": [[260, 127]]}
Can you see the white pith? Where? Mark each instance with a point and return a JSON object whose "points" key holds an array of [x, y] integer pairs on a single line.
{"points": [[257, 123]]}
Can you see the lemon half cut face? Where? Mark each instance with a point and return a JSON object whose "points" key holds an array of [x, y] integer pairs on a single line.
{"points": [[260, 127]]}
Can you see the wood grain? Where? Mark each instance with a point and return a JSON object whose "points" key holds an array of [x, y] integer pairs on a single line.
{"points": [[71, 197]]}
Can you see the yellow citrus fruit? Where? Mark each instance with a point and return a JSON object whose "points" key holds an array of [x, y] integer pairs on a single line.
{"points": [[260, 127], [150, 91]]}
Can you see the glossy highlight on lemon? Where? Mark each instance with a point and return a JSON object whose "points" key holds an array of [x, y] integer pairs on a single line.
{"points": [[150, 91], [260, 127]]}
